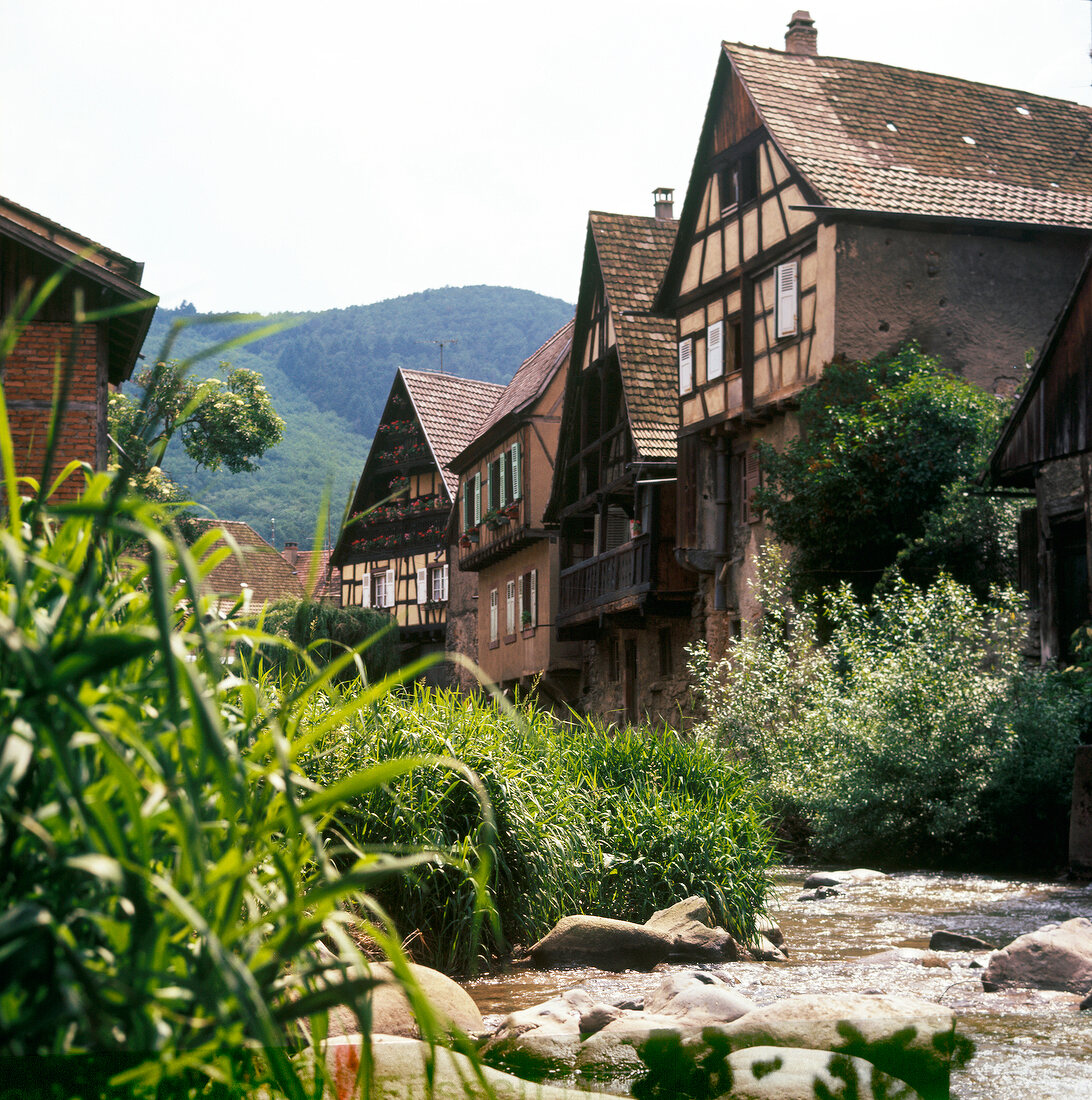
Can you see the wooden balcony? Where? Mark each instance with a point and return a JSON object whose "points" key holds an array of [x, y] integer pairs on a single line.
{"points": [[605, 579]]}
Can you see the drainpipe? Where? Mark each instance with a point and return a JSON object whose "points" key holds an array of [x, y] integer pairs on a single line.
{"points": [[720, 541]]}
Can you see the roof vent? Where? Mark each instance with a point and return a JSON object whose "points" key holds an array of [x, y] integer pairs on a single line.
{"points": [[664, 197], [802, 37]]}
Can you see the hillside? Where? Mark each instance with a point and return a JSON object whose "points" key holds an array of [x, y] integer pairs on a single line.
{"points": [[329, 374]]}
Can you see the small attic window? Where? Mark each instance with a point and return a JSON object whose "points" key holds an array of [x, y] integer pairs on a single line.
{"points": [[1023, 111], [893, 128], [969, 140]]}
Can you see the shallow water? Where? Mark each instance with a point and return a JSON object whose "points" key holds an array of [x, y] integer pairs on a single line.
{"points": [[1030, 1043]]}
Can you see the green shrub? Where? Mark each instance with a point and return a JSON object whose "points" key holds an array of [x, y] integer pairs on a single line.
{"points": [[164, 878], [587, 821], [915, 736]]}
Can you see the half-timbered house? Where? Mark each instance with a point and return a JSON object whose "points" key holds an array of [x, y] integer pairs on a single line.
{"points": [[504, 482], [838, 208], [392, 550], [59, 353], [620, 590]]}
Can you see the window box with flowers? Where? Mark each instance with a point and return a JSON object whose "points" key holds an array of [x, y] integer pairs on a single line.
{"points": [[495, 519]]}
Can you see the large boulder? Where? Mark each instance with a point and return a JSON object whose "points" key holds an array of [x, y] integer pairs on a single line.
{"points": [[540, 1040], [855, 877], [401, 1072], [697, 942], [698, 996], [913, 1040], [392, 1014], [680, 914], [603, 942], [788, 1073], [1056, 956]]}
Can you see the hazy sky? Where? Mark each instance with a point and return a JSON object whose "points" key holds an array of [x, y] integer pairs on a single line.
{"points": [[265, 155]]}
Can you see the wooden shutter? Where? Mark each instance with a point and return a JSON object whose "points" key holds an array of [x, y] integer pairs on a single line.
{"points": [[534, 597], [366, 594], [752, 479], [389, 594], [477, 498], [517, 479], [519, 601], [443, 583], [493, 615], [787, 296], [686, 366], [422, 585], [714, 351]]}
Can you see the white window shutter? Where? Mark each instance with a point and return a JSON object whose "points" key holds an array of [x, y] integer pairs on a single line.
{"points": [[422, 585], [534, 597], [519, 602], [390, 588], [493, 615], [477, 498], [366, 601], [443, 583], [686, 366], [786, 275], [517, 481], [714, 351]]}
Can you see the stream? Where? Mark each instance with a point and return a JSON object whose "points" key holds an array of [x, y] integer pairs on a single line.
{"points": [[1029, 1043]]}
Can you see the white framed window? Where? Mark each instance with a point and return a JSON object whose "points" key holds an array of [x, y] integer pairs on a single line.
{"points": [[492, 614], [438, 583], [714, 351], [786, 277], [383, 594], [686, 366], [510, 608], [527, 592]]}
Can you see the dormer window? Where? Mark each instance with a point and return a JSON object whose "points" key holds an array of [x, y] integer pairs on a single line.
{"points": [[738, 181]]}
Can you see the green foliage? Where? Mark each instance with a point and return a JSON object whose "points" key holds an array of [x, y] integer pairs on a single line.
{"points": [[325, 632], [227, 423], [588, 821], [164, 878], [329, 374], [915, 736], [880, 472]]}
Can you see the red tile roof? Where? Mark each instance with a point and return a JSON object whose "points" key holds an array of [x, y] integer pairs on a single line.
{"points": [[257, 564], [873, 137], [632, 253], [527, 385], [451, 410]]}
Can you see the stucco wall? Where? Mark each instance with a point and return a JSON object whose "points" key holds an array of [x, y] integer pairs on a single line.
{"points": [[978, 302]]}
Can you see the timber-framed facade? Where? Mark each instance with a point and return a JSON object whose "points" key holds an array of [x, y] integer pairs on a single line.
{"points": [[393, 551]]}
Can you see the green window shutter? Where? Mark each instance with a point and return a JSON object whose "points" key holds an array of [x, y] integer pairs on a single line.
{"points": [[517, 478]]}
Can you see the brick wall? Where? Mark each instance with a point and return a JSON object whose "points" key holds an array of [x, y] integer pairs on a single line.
{"points": [[28, 380]]}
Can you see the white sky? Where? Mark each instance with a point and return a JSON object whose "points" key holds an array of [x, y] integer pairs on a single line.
{"points": [[265, 155]]}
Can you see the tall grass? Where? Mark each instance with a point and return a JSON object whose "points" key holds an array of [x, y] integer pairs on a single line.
{"points": [[165, 877], [587, 820]]}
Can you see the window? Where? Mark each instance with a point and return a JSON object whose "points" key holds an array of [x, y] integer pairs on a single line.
{"points": [[468, 503], [738, 181], [432, 584], [528, 599], [785, 276], [714, 351], [496, 490], [510, 608], [686, 366], [493, 616], [383, 588]]}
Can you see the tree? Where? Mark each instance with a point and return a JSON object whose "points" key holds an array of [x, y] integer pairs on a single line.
{"points": [[881, 474], [228, 423]]}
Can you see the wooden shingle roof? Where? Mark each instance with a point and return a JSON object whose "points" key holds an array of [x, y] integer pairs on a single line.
{"points": [[632, 254], [451, 411], [871, 137], [258, 564]]}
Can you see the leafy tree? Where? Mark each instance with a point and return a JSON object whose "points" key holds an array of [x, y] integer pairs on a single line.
{"points": [[228, 423], [881, 475]]}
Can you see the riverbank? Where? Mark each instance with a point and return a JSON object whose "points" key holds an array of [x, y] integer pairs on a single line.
{"points": [[874, 937]]}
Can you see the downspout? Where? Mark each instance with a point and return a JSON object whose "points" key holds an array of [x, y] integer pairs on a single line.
{"points": [[720, 542]]}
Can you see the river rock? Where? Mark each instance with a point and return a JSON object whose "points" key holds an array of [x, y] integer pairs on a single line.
{"points": [[392, 1015], [766, 926], [698, 996], [401, 1072], [681, 914], [762, 950], [1086, 1004], [906, 1037], [697, 942], [820, 893], [612, 1054], [790, 1073], [942, 940], [855, 877], [1056, 956], [542, 1038], [603, 942]]}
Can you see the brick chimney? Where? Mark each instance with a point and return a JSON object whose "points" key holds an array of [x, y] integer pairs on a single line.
{"points": [[802, 37], [664, 198], [291, 553]]}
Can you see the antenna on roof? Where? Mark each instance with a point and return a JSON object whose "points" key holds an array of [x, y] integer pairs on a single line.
{"points": [[442, 344]]}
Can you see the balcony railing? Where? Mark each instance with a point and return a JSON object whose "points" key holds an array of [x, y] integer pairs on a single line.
{"points": [[607, 577]]}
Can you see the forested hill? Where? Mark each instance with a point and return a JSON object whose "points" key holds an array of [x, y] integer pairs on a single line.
{"points": [[329, 374]]}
